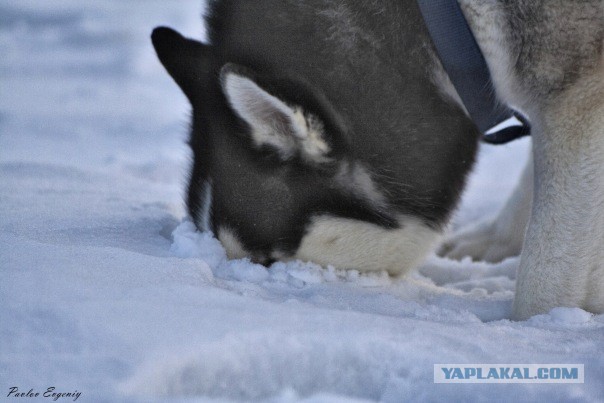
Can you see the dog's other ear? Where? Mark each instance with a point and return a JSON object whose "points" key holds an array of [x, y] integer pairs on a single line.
{"points": [[274, 123], [188, 62]]}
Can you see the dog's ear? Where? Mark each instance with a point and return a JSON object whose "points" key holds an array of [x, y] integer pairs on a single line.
{"points": [[188, 62], [275, 123]]}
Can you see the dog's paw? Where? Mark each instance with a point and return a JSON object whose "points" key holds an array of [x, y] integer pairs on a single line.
{"points": [[484, 241]]}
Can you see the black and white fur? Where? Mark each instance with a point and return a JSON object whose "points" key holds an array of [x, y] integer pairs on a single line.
{"points": [[322, 130], [327, 130]]}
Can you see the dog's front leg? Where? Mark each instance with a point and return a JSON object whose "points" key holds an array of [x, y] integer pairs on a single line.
{"points": [[562, 261]]}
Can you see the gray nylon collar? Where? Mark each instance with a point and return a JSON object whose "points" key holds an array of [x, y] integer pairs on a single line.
{"points": [[465, 64]]}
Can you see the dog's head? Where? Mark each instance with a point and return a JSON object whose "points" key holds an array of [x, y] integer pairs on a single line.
{"points": [[274, 174]]}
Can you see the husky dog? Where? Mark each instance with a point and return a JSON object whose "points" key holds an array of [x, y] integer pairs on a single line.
{"points": [[328, 130]]}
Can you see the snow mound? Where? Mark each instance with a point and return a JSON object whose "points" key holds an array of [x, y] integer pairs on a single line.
{"points": [[564, 317]]}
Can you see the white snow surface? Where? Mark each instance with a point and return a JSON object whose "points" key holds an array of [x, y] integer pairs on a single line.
{"points": [[107, 289]]}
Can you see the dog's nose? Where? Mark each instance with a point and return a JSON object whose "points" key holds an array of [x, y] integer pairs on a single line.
{"points": [[262, 260]]}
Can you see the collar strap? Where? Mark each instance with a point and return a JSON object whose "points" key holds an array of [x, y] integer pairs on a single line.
{"points": [[465, 64]]}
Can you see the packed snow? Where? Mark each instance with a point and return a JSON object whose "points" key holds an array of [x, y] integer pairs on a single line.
{"points": [[108, 290]]}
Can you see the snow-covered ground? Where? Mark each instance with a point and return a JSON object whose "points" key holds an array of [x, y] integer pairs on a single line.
{"points": [[107, 290]]}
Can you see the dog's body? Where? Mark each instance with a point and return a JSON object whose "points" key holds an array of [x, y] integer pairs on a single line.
{"points": [[328, 131]]}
